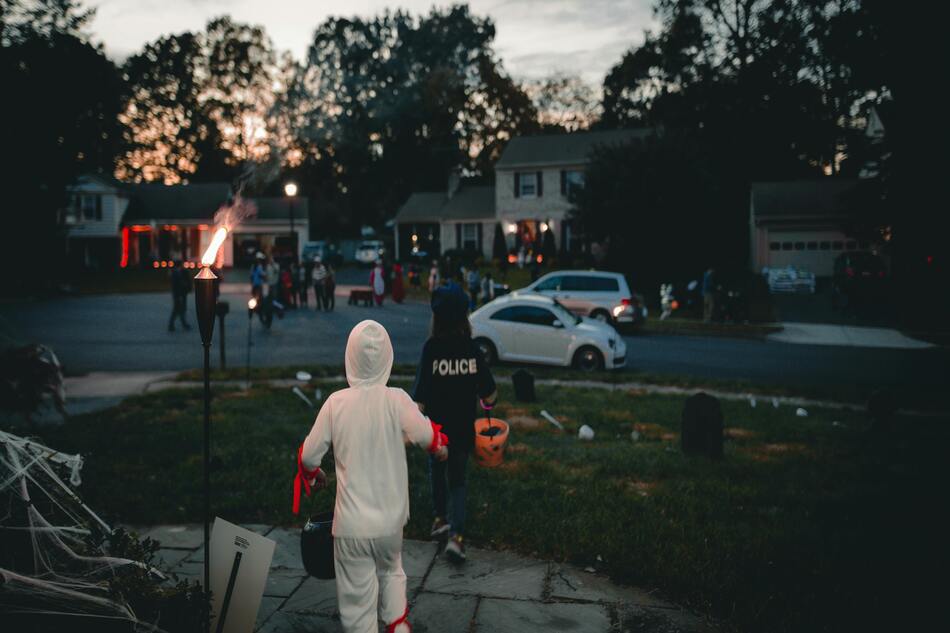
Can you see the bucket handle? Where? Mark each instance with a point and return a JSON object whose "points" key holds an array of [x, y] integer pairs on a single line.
{"points": [[487, 408]]}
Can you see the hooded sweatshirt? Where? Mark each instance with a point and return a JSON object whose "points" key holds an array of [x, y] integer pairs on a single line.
{"points": [[368, 425]]}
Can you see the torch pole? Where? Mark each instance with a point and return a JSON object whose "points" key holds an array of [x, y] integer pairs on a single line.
{"points": [[205, 308], [207, 469], [250, 321]]}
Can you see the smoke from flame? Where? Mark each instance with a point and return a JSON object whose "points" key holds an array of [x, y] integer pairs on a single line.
{"points": [[226, 218]]}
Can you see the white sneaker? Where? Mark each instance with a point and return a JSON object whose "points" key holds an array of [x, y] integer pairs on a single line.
{"points": [[455, 550], [439, 528]]}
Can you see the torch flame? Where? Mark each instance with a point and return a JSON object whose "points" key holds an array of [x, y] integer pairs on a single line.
{"points": [[212, 253]]}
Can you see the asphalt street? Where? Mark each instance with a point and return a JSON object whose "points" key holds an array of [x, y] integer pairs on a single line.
{"points": [[129, 333]]}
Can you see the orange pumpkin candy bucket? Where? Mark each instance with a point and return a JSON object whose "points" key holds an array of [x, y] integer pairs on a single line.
{"points": [[491, 437]]}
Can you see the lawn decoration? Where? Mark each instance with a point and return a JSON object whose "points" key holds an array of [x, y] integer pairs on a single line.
{"points": [[701, 431], [28, 375], [61, 565]]}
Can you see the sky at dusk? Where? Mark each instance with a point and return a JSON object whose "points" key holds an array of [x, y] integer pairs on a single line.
{"points": [[534, 37]]}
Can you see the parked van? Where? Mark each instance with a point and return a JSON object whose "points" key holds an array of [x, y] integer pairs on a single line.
{"points": [[600, 295]]}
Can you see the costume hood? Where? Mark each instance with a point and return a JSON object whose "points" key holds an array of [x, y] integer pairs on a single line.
{"points": [[369, 355]]}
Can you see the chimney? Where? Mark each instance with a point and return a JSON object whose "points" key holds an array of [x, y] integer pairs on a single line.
{"points": [[455, 181]]}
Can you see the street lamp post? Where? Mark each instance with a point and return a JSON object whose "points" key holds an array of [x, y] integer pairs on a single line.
{"points": [[290, 190]]}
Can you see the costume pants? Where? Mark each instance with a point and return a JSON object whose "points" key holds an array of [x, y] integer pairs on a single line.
{"points": [[369, 580], [448, 485]]}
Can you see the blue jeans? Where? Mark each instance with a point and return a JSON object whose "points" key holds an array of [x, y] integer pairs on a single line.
{"points": [[448, 484]]}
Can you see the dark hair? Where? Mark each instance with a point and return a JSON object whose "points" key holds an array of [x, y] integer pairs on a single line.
{"points": [[444, 326]]}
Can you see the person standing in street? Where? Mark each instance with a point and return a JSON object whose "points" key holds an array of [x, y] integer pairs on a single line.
{"points": [[257, 278], [399, 290], [488, 288], [434, 276], [181, 286], [474, 287], [319, 278], [272, 279], [329, 289], [377, 281]]}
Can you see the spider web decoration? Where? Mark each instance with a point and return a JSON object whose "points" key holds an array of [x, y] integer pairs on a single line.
{"points": [[54, 570]]}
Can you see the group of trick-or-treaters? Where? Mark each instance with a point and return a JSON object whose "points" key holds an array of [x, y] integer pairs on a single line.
{"points": [[367, 426]]}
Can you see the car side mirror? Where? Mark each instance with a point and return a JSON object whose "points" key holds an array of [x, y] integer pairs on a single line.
{"points": [[557, 323]]}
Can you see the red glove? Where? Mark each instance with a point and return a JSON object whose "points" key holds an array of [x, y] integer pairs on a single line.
{"points": [[302, 480], [439, 439]]}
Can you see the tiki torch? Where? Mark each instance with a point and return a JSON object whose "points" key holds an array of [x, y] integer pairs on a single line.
{"points": [[205, 308]]}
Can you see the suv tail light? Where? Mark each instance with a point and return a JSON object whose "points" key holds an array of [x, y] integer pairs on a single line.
{"points": [[849, 271], [627, 301]]}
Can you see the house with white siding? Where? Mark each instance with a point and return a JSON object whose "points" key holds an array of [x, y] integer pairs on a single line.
{"points": [[535, 178], [114, 224]]}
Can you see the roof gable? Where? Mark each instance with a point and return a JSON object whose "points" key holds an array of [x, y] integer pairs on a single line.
{"points": [[562, 149], [469, 203]]}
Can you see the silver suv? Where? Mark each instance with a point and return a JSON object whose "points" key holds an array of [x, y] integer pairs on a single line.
{"points": [[604, 296]]}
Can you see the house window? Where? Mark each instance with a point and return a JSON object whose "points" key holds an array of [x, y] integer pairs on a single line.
{"points": [[469, 237], [775, 246], [90, 207], [571, 182], [526, 184]]}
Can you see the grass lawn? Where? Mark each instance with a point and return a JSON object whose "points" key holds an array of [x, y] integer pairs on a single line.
{"points": [[807, 524]]}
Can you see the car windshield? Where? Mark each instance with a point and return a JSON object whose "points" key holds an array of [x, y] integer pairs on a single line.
{"points": [[564, 314]]}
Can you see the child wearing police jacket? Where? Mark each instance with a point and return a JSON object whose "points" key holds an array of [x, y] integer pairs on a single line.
{"points": [[368, 425], [451, 380]]}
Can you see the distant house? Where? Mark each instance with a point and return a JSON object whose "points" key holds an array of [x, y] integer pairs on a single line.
{"points": [[110, 223], [801, 223], [534, 178]]}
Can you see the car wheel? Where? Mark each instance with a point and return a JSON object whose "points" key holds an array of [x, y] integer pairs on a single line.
{"points": [[588, 359], [602, 316], [487, 350]]}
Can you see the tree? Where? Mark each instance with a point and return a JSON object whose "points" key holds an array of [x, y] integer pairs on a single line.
{"points": [[400, 101], [62, 123], [564, 103], [198, 104], [499, 247], [657, 205]]}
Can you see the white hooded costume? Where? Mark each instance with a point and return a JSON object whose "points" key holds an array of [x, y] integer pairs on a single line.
{"points": [[368, 425]]}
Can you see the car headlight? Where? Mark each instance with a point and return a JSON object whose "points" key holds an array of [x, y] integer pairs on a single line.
{"points": [[611, 343]]}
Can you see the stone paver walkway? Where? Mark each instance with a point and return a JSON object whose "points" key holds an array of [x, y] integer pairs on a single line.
{"points": [[493, 592]]}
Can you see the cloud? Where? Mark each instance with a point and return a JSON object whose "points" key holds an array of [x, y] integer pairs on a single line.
{"points": [[534, 37]]}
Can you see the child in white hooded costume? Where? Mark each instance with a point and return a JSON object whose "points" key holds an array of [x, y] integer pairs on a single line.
{"points": [[368, 425]]}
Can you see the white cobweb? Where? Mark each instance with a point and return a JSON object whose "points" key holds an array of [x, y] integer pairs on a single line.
{"points": [[51, 572]]}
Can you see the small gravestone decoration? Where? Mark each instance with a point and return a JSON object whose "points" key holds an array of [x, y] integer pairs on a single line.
{"points": [[701, 431], [524, 386]]}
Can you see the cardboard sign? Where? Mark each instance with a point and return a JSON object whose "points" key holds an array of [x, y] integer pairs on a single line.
{"points": [[240, 562]]}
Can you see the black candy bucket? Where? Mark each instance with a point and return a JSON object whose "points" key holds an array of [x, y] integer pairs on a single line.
{"points": [[316, 546]]}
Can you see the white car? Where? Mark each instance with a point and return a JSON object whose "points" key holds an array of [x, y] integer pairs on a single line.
{"points": [[369, 251], [537, 329], [604, 296]]}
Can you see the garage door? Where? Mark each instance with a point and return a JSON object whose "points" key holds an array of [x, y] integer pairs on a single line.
{"points": [[814, 251]]}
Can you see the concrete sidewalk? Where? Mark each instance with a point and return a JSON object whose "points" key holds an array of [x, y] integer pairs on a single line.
{"points": [[493, 592], [845, 335]]}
